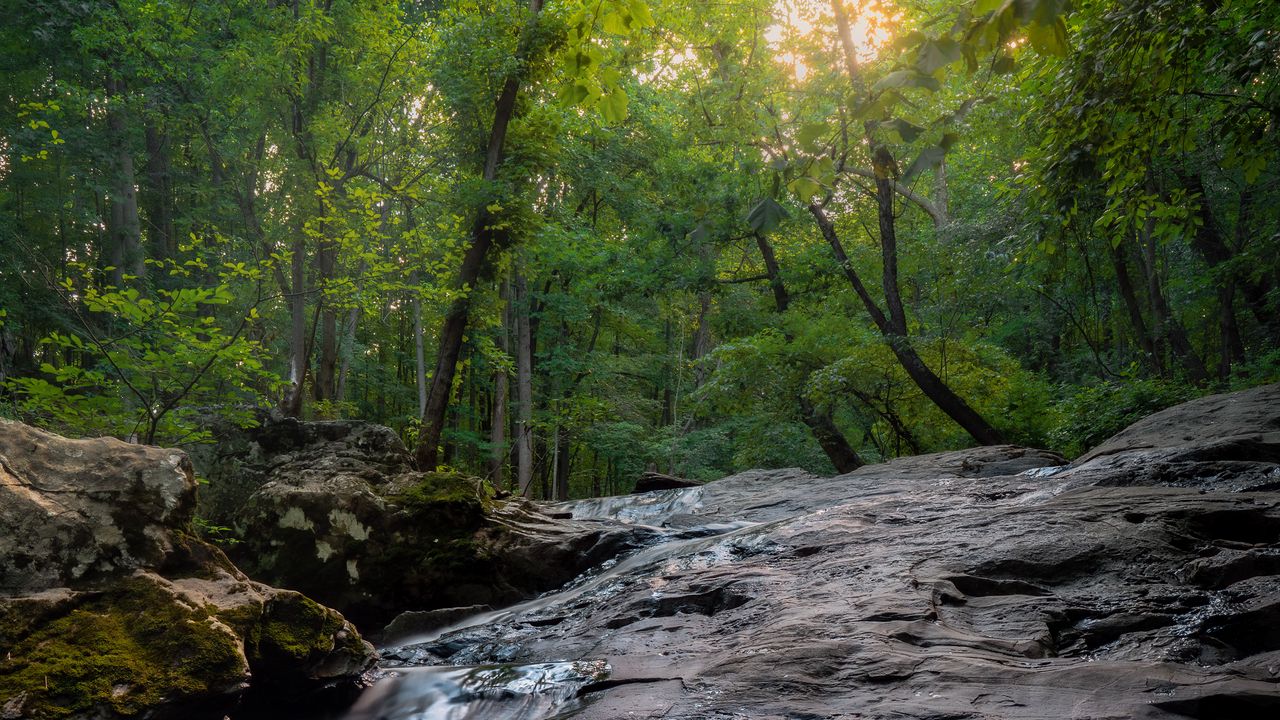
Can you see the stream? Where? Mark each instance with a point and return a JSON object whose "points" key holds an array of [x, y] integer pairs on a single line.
{"points": [[479, 668]]}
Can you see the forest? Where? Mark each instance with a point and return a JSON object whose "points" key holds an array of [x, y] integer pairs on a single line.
{"points": [[558, 244]]}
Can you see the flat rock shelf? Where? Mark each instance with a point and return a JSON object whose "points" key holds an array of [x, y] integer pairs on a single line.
{"points": [[1143, 581]]}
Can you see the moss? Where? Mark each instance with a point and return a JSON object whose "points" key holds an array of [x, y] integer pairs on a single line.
{"points": [[297, 628], [19, 616], [125, 652], [291, 637], [451, 501]]}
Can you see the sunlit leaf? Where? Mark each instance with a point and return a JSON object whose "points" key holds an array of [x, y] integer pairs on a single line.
{"points": [[804, 188], [614, 106]]}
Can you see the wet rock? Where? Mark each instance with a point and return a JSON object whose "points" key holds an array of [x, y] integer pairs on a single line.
{"points": [[109, 607], [651, 481], [1222, 442], [340, 514], [986, 583], [421, 622]]}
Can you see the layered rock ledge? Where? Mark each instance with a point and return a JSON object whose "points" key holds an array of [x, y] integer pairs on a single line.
{"points": [[1143, 581], [110, 607]]}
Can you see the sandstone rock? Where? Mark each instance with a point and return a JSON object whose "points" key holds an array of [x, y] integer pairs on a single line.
{"points": [[981, 584], [109, 607], [340, 515]]}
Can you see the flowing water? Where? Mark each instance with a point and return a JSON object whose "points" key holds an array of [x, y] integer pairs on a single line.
{"points": [[493, 692], [472, 670]]}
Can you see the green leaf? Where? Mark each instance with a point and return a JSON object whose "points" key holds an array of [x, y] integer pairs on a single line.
{"points": [[1050, 38], [877, 108], [935, 54], [929, 158], [907, 78], [640, 11], [906, 131], [574, 94], [809, 135], [614, 106], [615, 23], [804, 188], [1041, 12], [766, 215]]}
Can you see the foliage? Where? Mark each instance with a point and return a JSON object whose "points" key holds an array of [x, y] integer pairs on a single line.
{"points": [[210, 208], [147, 367], [1091, 414]]}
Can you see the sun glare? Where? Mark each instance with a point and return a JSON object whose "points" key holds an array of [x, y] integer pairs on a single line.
{"points": [[798, 22]]}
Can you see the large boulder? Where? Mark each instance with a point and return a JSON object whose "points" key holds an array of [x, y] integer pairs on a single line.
{"points": [[340, 514], [990, 583], [111, 608]]}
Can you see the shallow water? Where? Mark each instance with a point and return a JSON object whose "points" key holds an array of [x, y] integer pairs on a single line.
{"points": [[491, 692], [439, 676]]}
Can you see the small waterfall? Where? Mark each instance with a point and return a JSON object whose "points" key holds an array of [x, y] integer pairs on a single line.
{"points": [[492, 692], [421, 686]]}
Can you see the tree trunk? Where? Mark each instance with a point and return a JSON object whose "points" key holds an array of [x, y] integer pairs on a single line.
{"points": [[1130, 298], [893, 331], [1232, 348], [347, 352], [1166, 325], [701, 342], [524, 388], [561, 474], [125, 251], [291, 405], [325, 385], [498, 417], [833, 442], [159, 195], [894, 326], [483, 235], [1210, 241], [941, 193], [780, 297]]}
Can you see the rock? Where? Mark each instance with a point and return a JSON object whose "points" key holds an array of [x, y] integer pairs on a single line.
{"points": [[341, 515], [986, 583], [79, 510], [1229, 441], [421, 622], [109, 607], [651, 481]]}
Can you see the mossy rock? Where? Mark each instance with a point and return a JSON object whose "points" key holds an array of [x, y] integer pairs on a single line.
{"points": [[292, 637], [451, 501], [124, 653]]}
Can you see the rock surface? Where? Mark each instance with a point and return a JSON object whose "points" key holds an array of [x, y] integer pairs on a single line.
{"points": [[109, 607], [651, 481], [1143, 581], [340, 515]]}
